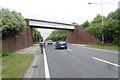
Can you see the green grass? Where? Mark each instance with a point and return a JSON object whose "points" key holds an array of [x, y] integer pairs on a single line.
{"points": [[111, 47], [14, 65]]}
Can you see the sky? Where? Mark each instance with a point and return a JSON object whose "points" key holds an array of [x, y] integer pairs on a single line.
{"points": [[64, 11]]}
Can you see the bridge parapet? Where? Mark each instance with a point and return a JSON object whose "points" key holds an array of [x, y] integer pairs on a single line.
{"points": [[49, 24]]}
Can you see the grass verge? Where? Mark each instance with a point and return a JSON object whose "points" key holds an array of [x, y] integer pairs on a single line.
{"points": [[14, 65], [104, 47]]}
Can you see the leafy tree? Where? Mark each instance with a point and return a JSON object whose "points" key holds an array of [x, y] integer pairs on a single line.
{"points": [[115, 15], [110, 29], [95, 26], [98, 19], [12, 22], [76, 24], [57, 35], [85, 24], [36, 35]]}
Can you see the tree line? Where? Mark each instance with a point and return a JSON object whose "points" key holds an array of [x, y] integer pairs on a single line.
{"points": [[57, 35], [12, 22], [36, 35], [110, 28]]}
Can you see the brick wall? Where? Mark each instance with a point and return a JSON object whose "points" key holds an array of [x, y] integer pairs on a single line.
{"points": [[80, 36], [14, 43]]}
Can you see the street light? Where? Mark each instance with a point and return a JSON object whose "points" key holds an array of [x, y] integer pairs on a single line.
{"points": [[89, 3], [102, 19]]}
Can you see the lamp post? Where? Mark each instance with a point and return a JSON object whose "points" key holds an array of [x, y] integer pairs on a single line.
{"points": [[102, 20]]}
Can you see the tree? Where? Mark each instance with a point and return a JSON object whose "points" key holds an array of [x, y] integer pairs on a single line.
{"points": [[115, 18], [12, 22], [115, 15], [36, 35], [95, 26], [85, 24], [57, 35], [76, 24], [110, 29]]}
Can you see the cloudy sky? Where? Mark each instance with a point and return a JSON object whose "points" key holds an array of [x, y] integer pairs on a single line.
{"points": [[65, 11]]}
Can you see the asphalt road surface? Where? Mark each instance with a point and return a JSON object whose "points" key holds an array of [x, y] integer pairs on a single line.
{"points": [[81, 62]]}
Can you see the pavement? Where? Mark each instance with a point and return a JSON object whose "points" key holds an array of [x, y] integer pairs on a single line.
{"points": [[30, 50], [36, 68]]}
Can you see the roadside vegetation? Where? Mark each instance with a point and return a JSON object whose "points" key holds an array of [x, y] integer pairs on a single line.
{"points": [[12, 23], [5, 53], [57, 35], [36, 36], [110, 29], [14, 65]]}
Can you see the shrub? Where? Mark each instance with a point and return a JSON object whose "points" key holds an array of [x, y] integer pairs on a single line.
{"points": [[12, 22], [5, 53], [116, 40]]}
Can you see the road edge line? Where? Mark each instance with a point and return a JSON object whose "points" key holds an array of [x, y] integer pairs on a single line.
{"points": [[47, 74]]}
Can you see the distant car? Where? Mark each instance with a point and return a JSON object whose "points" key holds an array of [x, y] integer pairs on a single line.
{"points": [[61, 45], [49, 42]]}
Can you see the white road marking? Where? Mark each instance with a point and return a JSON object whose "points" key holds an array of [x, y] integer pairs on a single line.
{"points": [[47, 74], [101, 50], [69, 49], [106, 62]]}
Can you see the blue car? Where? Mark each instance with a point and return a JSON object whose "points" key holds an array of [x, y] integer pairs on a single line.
{"points": [[61, 45]]}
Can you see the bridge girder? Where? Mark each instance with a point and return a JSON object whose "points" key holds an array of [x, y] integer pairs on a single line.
{"points": [[49, 25]]}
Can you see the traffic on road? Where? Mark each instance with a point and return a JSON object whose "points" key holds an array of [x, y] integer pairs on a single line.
{"points": [[78, 61]]}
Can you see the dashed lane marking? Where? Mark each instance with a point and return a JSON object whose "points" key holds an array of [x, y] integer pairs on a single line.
{"points": [[106, 61], [69, 49]]}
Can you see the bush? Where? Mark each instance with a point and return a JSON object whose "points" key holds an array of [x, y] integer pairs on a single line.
{"points": [[5, 53], [12, 22], [117, 40]]}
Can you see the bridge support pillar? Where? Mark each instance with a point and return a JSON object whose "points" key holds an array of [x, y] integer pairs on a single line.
{"points": [[80, 36]]}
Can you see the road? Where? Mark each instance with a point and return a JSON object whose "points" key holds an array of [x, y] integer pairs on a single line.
{"points": [[81, 62]]}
